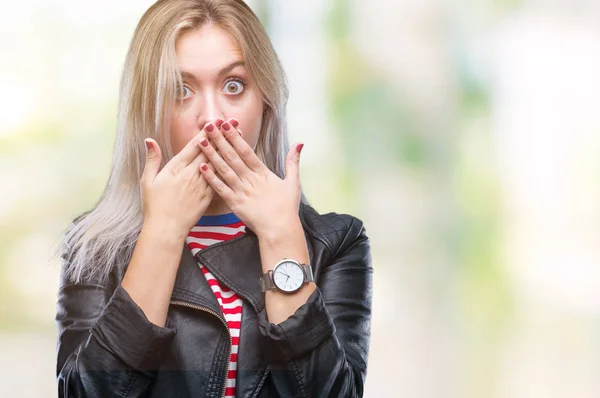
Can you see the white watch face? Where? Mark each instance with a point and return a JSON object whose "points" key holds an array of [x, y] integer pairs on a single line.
{"points": [[288, 276]]}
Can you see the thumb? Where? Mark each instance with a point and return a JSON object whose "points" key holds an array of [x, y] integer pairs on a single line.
{"points": [[292, 163], [153, 158]]}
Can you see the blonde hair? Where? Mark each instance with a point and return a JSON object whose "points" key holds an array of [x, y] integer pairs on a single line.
{"points": [[105, 236]]}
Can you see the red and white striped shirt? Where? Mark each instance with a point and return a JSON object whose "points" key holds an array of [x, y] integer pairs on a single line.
{"points": [[210, 230]]}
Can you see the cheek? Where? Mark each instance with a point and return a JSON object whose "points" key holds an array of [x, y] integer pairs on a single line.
{"points": [[251, 131], [183, 129], [251, 121]]}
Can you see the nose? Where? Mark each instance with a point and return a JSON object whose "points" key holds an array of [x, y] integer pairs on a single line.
{"points": [[209, 109]]}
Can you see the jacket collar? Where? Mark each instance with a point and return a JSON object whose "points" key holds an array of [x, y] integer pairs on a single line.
{"points": [[224, 260], [191, 286], [235, 263]]}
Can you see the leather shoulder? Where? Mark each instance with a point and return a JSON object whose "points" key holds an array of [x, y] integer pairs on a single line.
{"points": [[337, 231]]}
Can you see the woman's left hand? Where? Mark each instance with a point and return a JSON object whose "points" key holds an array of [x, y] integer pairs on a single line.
{"points": [[265, 203]]}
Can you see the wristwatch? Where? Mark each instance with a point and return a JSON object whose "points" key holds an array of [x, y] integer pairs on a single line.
{"points": [[287, 276]]}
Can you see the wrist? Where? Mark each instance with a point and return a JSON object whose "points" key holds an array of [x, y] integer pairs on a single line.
{"points": [[286, 229], [164, 231], [283, 243]]}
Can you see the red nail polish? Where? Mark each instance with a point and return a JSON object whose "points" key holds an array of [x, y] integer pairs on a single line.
{"points": [[210, 127], [218, 123], [234, 123], [299, 147], [204, 167], [204, 142], [226, 126], [148, 145]]}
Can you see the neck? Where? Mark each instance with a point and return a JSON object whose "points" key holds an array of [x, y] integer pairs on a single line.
{"points": [[216, 207]]}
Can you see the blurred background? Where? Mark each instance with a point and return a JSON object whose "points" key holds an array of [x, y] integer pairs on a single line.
{"points": [[463, 133]]}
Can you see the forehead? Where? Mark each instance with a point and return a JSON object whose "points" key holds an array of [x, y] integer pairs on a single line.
{"points": [[206, 50]]}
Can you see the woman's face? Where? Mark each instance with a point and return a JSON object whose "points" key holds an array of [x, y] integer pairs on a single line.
{"points": [[215, 85]]}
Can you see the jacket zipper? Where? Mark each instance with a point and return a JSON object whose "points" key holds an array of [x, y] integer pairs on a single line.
{"points": [[197, 307], [261, 382]]}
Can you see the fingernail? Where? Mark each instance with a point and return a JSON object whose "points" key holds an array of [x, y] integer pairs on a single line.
{"points": [[204, 142], [218, 123], [299, 147], [148, 145], [234, 123], [226, 126], [210, 127], [241, 133], [204, 167]]}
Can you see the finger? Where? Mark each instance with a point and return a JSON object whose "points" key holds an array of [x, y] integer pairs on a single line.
{"points": [[244, 151], [194, 166], [153, 159], [228, 152], [202, 187], [215, 182], [222, 168], [207, 192], [203, 191], [191, 149], [201, 158], [292, 163], [235, 124]]}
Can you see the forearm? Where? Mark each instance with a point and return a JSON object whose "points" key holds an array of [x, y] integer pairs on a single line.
{"points": [[150, 277], [306, 353], [322, 349], [105, 348], [274, 246], [323, 372]]}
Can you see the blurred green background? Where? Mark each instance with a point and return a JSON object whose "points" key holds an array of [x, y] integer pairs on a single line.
{"points": [[464, 134]]}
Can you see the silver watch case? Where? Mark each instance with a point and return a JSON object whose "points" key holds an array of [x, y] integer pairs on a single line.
{"points": [[267, 281]]}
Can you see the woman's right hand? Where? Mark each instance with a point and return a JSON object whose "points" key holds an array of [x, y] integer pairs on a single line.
{"points": [[174, 198]]}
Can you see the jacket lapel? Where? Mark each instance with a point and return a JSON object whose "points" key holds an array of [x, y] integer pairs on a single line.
{"points": [[190, 284], [236, 263]]}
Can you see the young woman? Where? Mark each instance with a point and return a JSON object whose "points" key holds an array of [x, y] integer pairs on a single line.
{"points": [[202, 270]]}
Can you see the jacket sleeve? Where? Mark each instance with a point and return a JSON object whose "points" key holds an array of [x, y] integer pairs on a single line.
{"points": [[106, 345], [322, 350]]}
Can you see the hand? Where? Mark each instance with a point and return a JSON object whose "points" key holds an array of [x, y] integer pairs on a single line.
{"points": [[263, 201], [175, 197]]}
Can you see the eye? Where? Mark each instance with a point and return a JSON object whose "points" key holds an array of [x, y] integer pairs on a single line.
{"points": [[184, 92], [234, 86]]}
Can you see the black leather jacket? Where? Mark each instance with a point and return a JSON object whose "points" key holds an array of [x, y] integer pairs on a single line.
{"points": [[108, 348]]}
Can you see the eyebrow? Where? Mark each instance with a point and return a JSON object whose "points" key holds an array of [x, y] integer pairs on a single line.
{"points": [[228, 68]]}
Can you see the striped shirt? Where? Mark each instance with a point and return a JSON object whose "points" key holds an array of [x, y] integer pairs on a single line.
{"points": [[210, 230]]}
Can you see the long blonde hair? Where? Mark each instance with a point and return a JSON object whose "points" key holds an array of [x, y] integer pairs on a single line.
{"points": [[105, 236]]}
